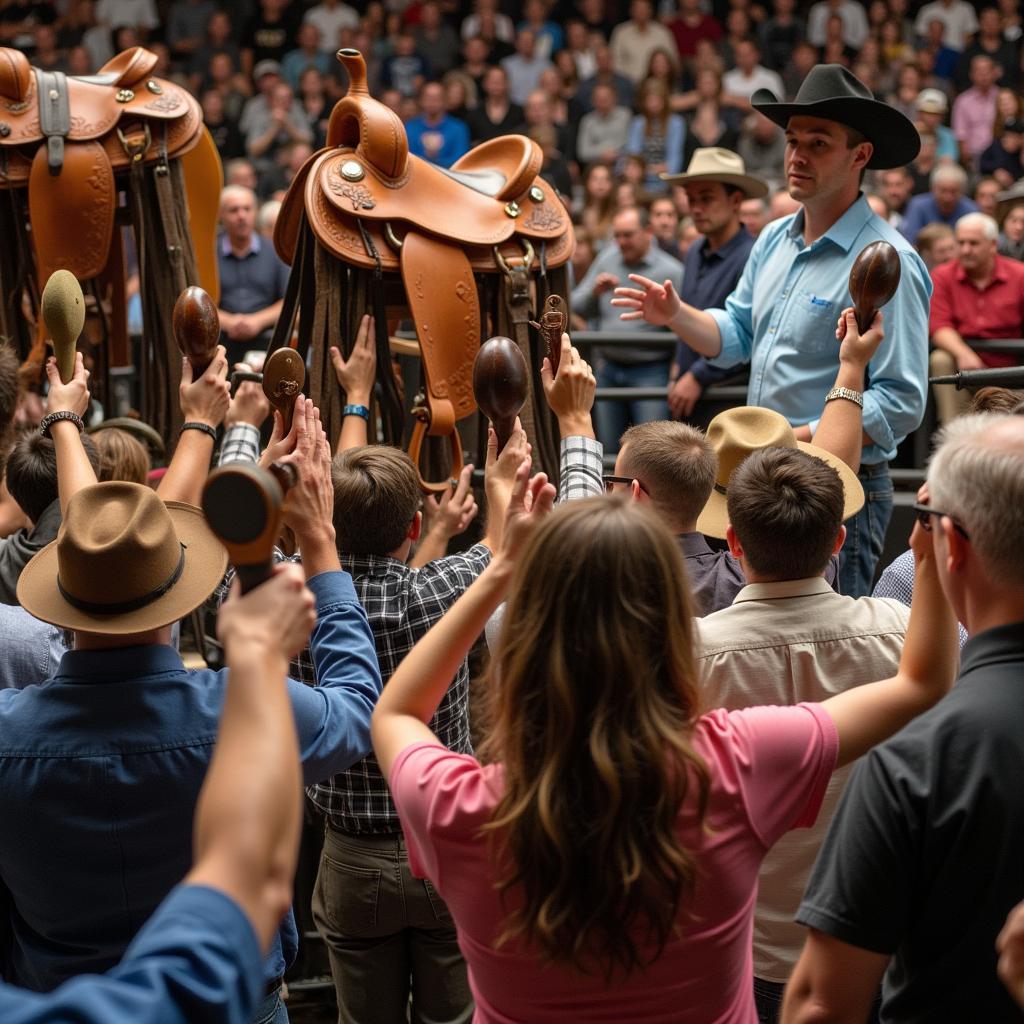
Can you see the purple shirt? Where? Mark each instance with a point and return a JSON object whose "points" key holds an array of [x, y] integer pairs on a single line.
{"points": [[974, 113]]}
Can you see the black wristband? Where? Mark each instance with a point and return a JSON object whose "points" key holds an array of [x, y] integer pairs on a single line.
{"points": [[204, 427], [62, 414]]}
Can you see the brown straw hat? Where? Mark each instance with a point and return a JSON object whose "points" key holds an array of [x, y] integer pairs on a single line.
{"points": [[722, 165], [123, 562], [737, 433]]}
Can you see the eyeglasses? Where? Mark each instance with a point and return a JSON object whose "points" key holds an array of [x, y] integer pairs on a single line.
{"points": [[610, 482], [924, 517]]}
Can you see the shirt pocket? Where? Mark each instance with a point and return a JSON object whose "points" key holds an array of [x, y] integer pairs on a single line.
{"points": [[812, 322]]}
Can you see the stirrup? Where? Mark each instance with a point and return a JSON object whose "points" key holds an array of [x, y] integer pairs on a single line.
{"points": [[416, 443]]}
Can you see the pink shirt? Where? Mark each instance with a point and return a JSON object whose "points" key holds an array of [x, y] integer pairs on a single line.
{"points": [[769, 768]]}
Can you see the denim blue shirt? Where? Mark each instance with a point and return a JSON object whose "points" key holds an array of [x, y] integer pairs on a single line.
{"points": [[782, 317], [100, 768], [708, 280], [196, 959], [923, 209]]}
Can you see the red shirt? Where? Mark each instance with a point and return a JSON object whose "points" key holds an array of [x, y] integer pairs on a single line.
{"points": [[687, 36], [995, 311]]}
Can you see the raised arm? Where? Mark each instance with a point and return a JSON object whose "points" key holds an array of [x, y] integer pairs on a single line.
{"points": [[446, 518], [74, 470], [866, 715], [203, 402], [421, 680], [246, 832], [355, 378]]}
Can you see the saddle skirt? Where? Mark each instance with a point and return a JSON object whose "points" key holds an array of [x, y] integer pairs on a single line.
{"points": [[66, 138], [372, 204]]}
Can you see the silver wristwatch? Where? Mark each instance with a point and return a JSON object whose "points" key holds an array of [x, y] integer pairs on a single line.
{"points": [[848, 393]]}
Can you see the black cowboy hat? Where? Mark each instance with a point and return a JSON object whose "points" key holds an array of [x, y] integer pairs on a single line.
{"points": [[831, 92]]}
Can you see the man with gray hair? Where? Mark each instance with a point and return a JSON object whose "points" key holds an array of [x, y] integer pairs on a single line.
{"points": [[980, 294], [944, 203], [923, 860]]}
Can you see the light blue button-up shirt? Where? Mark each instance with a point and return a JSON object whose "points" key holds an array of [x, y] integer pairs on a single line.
{"points": [[782, 317]]}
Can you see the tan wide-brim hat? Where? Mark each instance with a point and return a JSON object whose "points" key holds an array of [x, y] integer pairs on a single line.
{"points": [[723, 165], [737, 433], [123, 562]]}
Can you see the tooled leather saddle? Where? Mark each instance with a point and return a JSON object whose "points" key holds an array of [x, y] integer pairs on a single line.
{"points": [[464, 252], [68, 148]]}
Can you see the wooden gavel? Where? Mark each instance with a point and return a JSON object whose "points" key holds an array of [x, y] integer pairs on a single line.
{"points": [[243, 503], [196, 328], [63, 309], [284, 376], [874, 278], [501, 384]]}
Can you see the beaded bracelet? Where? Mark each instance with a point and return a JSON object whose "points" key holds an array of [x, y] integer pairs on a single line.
{"points": [[61, 414]]}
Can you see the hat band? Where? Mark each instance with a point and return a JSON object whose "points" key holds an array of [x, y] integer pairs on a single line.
{"points": [[121, 607]]}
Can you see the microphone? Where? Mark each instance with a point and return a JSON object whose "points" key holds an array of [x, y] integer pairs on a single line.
{"points": [[996, 376], [63, 309]]}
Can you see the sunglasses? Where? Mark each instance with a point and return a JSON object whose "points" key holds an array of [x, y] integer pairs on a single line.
{"points": [[924, 517], [610, 482]]}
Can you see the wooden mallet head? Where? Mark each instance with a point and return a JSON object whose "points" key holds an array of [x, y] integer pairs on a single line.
{"points": [[63, 309], [196, 328], [284, 376], [242, 503], [501, 384], [874, 278]]}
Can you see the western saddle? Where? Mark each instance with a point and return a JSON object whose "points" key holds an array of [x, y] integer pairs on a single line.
{"points": [[68, 148], [461, 251]]}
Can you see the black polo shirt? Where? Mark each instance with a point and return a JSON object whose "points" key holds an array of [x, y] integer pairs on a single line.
{"points": [[925, 856], [254, 281]]}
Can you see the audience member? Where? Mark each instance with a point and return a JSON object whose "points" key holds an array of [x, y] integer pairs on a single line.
{"points": [[269, 34], [779, 33], [710, 120], [405, 69], [750, 75], [605, 74], [633, 41], [762, 147], [598, 203], [657, 135], [330, 17], [974, 110], [252, 277], [1002, 160], [604, 130], [523, 67], [633, 365], [986, 195], [853, 19], [716, 184], [896, 186], [921, 863], [664, 220], [690, 25], [754, 215], [944, 203], [1011, 237], [932, 107], [936, 244], [434, 134], [979, 295]]}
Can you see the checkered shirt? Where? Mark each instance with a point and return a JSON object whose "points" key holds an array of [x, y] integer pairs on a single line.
{"points": [[402, 604], [580, 468]]}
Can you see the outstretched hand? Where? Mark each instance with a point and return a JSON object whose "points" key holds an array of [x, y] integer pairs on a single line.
{"points": [[570, 391], [356, 374], [207, 399], [281, 444], [455, 510], [530, 504], [70, 397], [309, 505], [856, 348], [656, 303]]}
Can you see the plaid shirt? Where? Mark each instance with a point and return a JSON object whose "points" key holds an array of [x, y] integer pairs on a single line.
{"points": [[580, 468], [402, 604], [241, 443]]}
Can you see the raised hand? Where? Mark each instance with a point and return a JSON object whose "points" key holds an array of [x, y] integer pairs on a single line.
{"points": [[656, 303], [250, 404], [570, 392], [454, 512], [309, 506], [530, 503], [357, 373], [856, 348], [207, 399], [70, 397], [277, 616], [280, 443]]}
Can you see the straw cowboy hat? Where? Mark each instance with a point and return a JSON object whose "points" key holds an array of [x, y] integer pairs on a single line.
{"points": [[123, 562], [716, 164], [831, 92], [737, 433]]}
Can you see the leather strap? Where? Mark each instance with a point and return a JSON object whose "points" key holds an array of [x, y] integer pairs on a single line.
{"points": [[54, 115], [419, 431]]}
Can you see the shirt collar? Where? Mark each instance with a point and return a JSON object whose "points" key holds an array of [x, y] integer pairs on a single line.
{"points": [[255, 243], [998, 271], [786, 588], [741, 237], [1000, 644], [118, 663], [844, 231], [694, 544]]}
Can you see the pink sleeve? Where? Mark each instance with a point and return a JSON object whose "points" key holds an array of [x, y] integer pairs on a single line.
{"points": [[778, 759], [442, 800]]}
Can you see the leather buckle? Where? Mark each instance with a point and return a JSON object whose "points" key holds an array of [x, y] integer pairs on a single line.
{"points": [[528, 257], [136, 150]]}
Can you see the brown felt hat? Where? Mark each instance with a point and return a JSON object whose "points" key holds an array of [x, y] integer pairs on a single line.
{"points": [[123, 562], [737, 433]]}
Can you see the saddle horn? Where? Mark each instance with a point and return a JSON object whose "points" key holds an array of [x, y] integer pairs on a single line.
{"points": [[366, 125], [63, 309]]}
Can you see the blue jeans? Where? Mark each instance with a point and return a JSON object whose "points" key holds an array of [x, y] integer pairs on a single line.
{"points": [[271, 1010], [865, 532], [612, 418]]}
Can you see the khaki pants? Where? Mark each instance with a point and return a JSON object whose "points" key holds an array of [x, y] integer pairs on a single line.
{"points": [[389, 936], [949, 403]]}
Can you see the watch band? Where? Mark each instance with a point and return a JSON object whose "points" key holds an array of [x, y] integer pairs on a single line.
{"points": [[848, 393], [204, 427], [62, 414], [357, 410]]}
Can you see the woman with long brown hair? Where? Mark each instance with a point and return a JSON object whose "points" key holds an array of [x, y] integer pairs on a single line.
{"points": [[602, 865]]}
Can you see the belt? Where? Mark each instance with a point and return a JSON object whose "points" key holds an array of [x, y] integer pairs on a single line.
{"points": [[273, 986]]}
